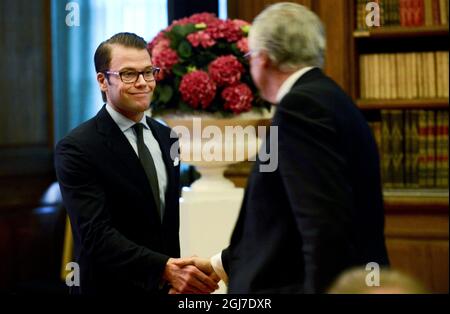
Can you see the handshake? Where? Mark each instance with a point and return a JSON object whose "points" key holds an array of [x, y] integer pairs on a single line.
{"points": [[192, 275]]}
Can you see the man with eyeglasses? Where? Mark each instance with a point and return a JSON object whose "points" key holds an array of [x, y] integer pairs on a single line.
{"points": [[120, 186]]}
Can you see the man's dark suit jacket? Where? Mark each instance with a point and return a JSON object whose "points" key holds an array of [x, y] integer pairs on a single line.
{"points": [[120, 243], [321, 211]]}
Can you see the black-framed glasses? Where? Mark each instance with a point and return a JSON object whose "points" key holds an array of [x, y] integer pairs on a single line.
{"points": [[131, 76]]}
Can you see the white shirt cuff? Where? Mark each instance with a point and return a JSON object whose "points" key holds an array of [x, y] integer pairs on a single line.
{"points": [[216, 263]]}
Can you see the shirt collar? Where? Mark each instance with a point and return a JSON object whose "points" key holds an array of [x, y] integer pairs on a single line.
{"points": [[289, 83], [123, 122]]}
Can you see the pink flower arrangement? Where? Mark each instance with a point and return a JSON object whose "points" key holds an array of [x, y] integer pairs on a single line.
{"points": [[201, 38], [226, 70], [238, 98], [197, 88], [203, 68]]}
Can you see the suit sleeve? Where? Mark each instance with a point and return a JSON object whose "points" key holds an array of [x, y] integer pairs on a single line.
{"points": [[312, 171], [225, 256], [85, 201]]}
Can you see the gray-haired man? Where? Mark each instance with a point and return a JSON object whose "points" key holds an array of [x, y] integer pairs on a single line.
{"points": [[321, 211]]}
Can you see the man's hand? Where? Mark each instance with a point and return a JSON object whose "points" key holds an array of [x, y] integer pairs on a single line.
{"points": [[185, 277], [205, 266]]}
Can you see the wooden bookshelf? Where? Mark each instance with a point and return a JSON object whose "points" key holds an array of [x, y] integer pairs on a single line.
{"points": [[417, 200], [378, 104], [402, 32], [416, 220]]}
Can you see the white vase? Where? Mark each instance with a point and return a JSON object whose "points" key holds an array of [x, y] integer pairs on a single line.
{"points": [[211, 145], [210, 207]]}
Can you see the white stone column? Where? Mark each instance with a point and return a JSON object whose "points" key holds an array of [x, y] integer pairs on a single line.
{"points": [[207, 219]]}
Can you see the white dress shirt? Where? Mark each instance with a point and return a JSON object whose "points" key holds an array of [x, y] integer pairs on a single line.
{"points": [[289, 83], [152, 144]]}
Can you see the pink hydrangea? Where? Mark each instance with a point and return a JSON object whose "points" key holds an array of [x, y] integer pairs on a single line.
{"points": [[201, 38], [228, 30], [164, 58], [202, 18], [160, 36], [194, 19], [238, 98], [197, 89], [242, 45], [240, 23], [226, 70], [162, 44]]}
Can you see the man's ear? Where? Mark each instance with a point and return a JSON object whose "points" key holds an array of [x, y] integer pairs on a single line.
{"points": [[102, 82], [266, 62]]}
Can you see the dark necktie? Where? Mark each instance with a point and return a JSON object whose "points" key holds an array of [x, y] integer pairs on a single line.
{"points": [[148, 164]]}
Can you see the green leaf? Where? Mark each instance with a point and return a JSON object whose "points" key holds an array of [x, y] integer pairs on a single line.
{"points": [[184, 49], [245, 29], [184, 107], [204, 59], [174, 39], [165, 93], [178, 33], [179, 69], [176, 82], [183, 30], [222, 45]]}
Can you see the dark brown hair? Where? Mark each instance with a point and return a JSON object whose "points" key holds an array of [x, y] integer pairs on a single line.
{"points": [[102, 56]]}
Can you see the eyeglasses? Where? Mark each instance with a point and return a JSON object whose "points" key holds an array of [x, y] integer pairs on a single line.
{"points": [[130, 76], [249, 54]]}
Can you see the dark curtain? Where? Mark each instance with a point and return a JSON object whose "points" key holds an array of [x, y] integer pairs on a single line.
{"points": [[178, 9]]}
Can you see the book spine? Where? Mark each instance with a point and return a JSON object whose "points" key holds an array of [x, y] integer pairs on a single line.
{"points": [[408, 150], [419, 72], [415, 148], [436, 13], [445, 73], [362, 77], [387, 86], [414, 77], [386, 148], [422, 158], [393, 73], [376, 75], [428, 12], [431, 149], [443, 8], [403, 13], [439, 148], [397, 148], [439, 76], [401, 75], [396, 12], [431, 66], [445, 149]]}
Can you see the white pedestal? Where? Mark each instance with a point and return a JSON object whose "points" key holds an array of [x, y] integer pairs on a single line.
{"points": [[208, 211], [207, 219]]}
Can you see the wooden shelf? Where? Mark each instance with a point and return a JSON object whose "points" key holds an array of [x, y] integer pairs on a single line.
{"points": [[376, 104], [423, 200], [402, 32]]}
